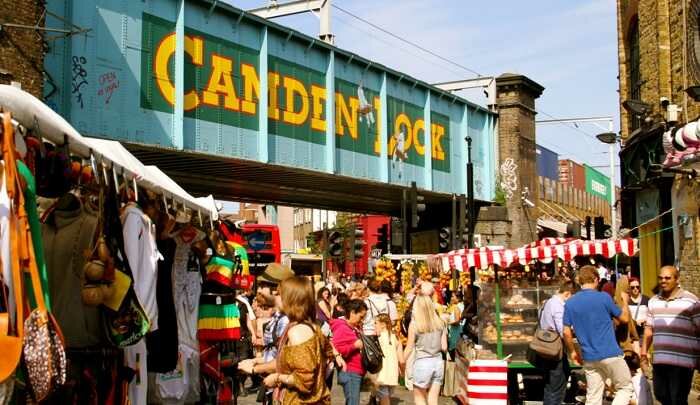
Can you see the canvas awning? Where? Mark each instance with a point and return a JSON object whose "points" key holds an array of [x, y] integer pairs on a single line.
{"points": [[547, 249]]}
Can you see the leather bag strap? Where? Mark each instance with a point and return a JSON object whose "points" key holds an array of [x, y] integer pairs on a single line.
{"points": [[17, 203]]}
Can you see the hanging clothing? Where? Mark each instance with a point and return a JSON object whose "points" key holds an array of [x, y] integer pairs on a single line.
{"points": [[68, 231], [187, 285], [162, 344], [219, 318], [181, 385], [135, 359], [142, 255]]}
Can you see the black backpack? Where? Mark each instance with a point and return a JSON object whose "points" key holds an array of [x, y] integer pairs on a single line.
{"points": [[372, 355], [406, 319]]}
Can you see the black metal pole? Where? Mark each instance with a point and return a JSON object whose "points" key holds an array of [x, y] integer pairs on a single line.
{"points": [[404, 223], [470, 194], [453, 228]]}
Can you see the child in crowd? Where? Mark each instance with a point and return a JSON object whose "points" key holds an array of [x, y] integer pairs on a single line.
{"points": [[388, 376], [642, 389]]}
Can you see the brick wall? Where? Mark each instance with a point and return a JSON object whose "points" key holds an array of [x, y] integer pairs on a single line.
{"points": [[516, 97], [22, 50], [666, 30]]}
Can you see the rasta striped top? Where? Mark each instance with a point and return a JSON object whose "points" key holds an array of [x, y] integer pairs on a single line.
{"points": [[676, 326]]}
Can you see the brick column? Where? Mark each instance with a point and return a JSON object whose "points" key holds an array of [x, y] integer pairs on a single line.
{"points": [[21, 50], [516, 95]]}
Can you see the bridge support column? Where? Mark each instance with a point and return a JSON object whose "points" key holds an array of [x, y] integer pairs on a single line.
{"points": [[330, 113], [263, 132], [516, 97], [383, 133], [428, 144]]}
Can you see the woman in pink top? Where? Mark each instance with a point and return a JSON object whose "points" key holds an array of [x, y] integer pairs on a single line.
{"points": [[347, 343]]}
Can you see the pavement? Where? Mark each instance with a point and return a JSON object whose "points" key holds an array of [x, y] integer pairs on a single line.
{"points": [[401, 396], [404, 396]]}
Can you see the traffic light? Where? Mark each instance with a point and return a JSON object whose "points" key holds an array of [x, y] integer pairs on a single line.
{"points": [[383, 238], [357, 243], [602, 231], [417, 205], [444, 239], [588, 228], [335, 243]]}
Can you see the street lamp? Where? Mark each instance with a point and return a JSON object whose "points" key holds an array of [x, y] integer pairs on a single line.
{"points": [[610, 138]]}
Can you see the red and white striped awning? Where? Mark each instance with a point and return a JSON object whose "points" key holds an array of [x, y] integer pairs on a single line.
{"points": [[545, 250]]}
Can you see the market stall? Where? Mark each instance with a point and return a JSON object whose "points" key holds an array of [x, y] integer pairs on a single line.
{"points": [[126, 265]]}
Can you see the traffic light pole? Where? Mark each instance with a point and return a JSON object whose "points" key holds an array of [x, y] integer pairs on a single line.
{"points": [[453, 229], [470, 194], [404, 223], [324, 256]]}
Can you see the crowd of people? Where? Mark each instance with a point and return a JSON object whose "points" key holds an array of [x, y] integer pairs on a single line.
{"points": [[614, 325], [306, 336]]}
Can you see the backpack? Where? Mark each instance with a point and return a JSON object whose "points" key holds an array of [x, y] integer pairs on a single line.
{"points": [[372, 355], [406, 319]]}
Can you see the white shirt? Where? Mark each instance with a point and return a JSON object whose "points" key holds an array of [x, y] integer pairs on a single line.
{"points": [[378, 304], [602, 272], [642, 389], [142, 254]]}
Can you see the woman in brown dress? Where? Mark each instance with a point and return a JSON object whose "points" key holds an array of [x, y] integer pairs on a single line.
{"points": [[304, 351]]}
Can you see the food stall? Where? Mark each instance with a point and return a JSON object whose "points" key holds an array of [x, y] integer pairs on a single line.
{"points": [[515, 283]]}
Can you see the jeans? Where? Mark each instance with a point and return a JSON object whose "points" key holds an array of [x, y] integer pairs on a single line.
{"points": [[617, 371], [555, 383], [351, 384], [672, 384]]}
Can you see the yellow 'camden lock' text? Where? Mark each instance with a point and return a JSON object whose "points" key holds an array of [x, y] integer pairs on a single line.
{"points": [[220, 91]]}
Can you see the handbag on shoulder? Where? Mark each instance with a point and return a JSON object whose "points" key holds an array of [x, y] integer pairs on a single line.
{"points": [[546, 347]]}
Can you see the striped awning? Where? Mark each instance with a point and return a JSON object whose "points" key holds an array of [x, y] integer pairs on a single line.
{"points": [[544, 250]]}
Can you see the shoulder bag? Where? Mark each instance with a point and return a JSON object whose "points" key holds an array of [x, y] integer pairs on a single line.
{"points": [[546, 344]]}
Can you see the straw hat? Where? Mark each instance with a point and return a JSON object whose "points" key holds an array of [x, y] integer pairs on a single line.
{"points": [[275, 273]]}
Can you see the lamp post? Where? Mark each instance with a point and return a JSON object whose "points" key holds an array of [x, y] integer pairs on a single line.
{"points": [[610, 138]]}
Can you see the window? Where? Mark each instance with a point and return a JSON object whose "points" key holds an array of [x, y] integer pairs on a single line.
{"points": [[633, 66]]}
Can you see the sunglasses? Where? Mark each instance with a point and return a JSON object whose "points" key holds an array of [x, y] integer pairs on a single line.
{"points": [[634, 287], [665, 278]]}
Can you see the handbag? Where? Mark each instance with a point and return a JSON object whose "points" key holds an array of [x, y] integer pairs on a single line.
{"points": [[546, 346], [43, 345], [11, 338], [449, 386]]}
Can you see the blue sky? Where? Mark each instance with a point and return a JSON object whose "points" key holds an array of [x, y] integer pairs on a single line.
{"points": [[568, 46]]}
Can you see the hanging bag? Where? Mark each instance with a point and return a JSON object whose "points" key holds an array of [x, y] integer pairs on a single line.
{"points": [[11, 338], [128, 324], [43, 345], [546, 348]]}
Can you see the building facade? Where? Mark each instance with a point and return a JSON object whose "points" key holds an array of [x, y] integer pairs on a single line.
{"points": [[22, 46], [659, 58]]}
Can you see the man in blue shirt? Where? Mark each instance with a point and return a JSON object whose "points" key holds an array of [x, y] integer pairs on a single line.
{"points": [[590, 314], [552, 318]]}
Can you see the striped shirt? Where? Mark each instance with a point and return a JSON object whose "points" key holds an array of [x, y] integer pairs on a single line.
{"points": [[676, 326]]}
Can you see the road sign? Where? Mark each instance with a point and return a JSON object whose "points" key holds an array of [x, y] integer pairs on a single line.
{"points": [[257, 240]]}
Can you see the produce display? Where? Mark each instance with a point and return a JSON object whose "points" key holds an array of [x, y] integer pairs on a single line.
{"points": [[385, 270]]}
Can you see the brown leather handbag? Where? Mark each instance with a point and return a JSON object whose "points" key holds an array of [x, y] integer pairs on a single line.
{"points": [[43, 345], [11, 335]]}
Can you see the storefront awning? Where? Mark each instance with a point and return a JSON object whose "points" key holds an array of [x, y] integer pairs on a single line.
{"points": [[552, 224], [545, 250]]}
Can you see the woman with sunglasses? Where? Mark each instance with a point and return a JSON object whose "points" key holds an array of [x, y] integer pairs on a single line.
{"points": [[638, 303]]}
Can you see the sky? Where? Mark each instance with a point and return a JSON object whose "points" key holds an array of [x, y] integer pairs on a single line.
{"points": [[567, 46]]}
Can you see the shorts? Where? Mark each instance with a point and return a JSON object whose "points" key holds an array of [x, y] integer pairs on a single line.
{"points": [[428, 371], [384, 391]]}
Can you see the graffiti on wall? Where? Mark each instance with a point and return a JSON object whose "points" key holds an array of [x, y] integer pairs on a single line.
{"points": [[79, 78], [509, 177]]}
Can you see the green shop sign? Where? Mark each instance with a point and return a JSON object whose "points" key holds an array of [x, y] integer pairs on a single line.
{"points": [[597, 183]]}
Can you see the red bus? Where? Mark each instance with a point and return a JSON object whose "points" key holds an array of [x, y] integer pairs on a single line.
{"points": [[262, 242]]}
